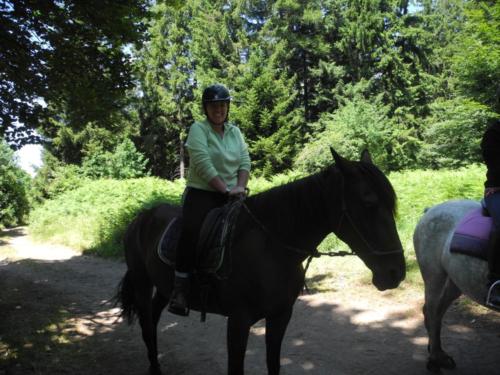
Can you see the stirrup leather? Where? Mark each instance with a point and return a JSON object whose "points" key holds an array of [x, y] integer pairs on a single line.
{"points": [[493, 297]]}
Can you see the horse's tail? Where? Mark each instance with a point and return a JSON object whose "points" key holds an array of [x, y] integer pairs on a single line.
{"points": [[125, 298], [126, 295]]}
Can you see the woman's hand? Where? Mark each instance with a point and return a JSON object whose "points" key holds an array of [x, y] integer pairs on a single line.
{"points": [[237, 191]]}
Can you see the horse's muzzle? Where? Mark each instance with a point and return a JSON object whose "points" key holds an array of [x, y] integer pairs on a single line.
{"points": [[391, 276]]}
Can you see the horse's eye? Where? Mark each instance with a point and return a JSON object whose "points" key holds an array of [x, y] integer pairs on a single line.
{"points": [[370, 201]]}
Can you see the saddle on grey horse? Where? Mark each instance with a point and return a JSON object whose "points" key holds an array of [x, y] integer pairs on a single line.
{"points": [[472, 234]]}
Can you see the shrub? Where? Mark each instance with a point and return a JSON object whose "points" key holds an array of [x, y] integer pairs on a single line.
{"points": [[453, 132], [14, 186], [54, 178], [95, 216], [359, 124], [123, 163]]}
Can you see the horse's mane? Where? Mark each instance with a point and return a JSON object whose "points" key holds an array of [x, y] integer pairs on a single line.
{"points": [[294, 190], [291, 205]]}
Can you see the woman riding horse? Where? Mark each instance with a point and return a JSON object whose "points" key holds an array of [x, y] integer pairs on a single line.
{"points": [[275, 232], [490, 146], [219, 167]]}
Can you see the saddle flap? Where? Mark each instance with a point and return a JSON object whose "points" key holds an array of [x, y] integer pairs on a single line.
{"points": [[209, 248], [215, 238]]}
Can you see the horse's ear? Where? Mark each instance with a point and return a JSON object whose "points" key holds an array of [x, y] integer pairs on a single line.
{"points": [[339, 160], [366, 157]]}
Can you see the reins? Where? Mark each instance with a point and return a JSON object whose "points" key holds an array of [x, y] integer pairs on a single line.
{"points": [[309, 254]]}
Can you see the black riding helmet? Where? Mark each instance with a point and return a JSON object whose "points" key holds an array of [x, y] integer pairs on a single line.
{"points": [[215, 93]]}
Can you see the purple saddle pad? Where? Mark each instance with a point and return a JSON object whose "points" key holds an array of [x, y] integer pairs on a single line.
{"points": [[472, 234]]}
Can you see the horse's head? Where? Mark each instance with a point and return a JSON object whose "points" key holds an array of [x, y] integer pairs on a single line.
{"points": [[366, 221]]}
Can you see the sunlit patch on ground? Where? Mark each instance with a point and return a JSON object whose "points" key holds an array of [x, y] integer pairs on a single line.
{"points": [[88, 325], [27, 250], [421, 340], [258, 331], [298, 342]]}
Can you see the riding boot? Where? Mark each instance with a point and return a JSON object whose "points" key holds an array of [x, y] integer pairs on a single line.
{"points": [[493, 296], [179, 298]]}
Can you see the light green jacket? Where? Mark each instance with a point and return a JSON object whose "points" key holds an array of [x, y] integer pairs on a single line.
{"points": [[211, 155]]}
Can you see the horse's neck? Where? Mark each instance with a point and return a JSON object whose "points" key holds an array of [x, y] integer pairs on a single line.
{"points": [[296, 217]]}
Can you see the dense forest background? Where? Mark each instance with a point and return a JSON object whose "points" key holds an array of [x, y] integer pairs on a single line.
{"points": [[111, 88]]}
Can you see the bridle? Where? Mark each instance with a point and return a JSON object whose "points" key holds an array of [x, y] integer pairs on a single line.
{"points": [[344, 216]]}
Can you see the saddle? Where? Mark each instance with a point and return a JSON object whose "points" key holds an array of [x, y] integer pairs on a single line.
{"points": [[213, 255], [472, 234]]}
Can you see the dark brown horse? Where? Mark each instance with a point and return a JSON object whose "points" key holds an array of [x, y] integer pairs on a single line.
{"points": [[281, 227]]}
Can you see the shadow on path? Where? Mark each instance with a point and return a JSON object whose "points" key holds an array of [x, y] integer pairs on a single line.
{"points": [[56, 318]]}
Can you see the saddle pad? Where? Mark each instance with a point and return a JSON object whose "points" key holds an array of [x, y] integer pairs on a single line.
{"points": [[167, 247], [472, 235]]}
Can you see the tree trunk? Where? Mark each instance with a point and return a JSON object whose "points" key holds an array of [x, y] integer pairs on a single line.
{"points": [[181, 156]]}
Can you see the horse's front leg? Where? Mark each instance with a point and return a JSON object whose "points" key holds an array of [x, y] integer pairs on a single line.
{"points": [[238, 328], [437, 301], [275, 330]]}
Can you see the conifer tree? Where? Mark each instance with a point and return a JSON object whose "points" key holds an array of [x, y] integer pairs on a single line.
{"points": [[296, 34], [165, 70]]}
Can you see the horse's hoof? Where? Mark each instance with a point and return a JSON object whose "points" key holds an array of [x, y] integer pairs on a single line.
{"points": [[444, 361], [154, 370], [433, 366], [447, 363]]}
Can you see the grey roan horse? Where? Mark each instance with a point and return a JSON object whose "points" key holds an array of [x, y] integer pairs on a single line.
{"points": [[446, 275], [350, 198]]}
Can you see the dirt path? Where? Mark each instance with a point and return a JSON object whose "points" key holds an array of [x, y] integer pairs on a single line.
{"points": [[55, 318]]}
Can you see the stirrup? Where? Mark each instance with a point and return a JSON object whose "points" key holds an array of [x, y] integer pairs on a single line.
{"points": [[178, 310], [181, 289], [493, 297]]}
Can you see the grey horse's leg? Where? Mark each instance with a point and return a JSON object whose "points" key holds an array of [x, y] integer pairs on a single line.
{"points": [[438, 297]]}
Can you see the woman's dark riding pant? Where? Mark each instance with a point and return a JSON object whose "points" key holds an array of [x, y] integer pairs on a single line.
{"points": [[493, 206], [197, 204]]}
